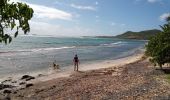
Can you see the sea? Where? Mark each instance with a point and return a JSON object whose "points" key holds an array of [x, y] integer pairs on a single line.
{"points": [[35, 53]]}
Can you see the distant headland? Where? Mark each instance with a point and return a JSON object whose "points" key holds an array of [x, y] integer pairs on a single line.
{"points": [[142, 35]]}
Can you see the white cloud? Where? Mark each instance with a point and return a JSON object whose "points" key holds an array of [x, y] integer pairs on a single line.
{"points": [[164, 16], [96, 3], [49, 12], [137, 0], [43, 28], [97, 16], [123, 24], [42, 11], [153, 1], [83, 7], [113, 24], [150, 1]]}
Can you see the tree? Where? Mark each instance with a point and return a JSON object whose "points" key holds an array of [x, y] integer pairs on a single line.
{"points": [[158, 47], [13, 16]]}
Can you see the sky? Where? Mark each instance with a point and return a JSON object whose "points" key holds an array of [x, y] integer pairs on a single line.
{"points": [[95, 17]]}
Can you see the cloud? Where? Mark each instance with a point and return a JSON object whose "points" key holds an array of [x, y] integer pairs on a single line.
{"points": [[150, 1], [97, 16], [47, 29], [96, 3], [164, 16], [113, 24], [42, 11], [83, 7], [49, 12], [153, 1], [123, 24]]}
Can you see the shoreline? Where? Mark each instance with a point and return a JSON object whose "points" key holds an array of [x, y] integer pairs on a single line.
{"points": [[131, 78], [95, 65], [56, 74], [84, 66]]}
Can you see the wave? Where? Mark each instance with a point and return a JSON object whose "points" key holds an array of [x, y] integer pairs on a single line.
{"points": [[35, 50], [114, 44], [48, 49], [119, 43]]}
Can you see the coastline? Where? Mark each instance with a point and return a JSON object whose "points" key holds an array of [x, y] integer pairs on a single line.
{"points": [[89, 67], [50, 74], [131, 78]]}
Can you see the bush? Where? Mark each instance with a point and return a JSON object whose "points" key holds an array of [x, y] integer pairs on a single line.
{"points": [[158, 47]]}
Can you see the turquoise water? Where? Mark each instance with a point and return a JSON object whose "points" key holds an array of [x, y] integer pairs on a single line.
{"points": [[27, 54]]}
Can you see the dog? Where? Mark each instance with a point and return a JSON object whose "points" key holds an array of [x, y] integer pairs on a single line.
{"points": [[55, 66]]}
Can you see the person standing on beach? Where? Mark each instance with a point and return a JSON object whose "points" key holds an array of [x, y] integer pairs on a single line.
{"points": [[76, 63]]}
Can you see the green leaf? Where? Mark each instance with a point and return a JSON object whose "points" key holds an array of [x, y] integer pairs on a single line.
{"points": [[11, 14]]}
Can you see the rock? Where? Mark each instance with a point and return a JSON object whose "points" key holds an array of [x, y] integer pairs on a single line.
{"points": [[14, 81], [15, 92], [8, 80], [29, 85], [3, 86], [7, 91], [22, 83], [40, 75], [27, 77], [7, 98]]}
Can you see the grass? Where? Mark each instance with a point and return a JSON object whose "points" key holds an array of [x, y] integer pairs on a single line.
{"points": [[167, 77]]}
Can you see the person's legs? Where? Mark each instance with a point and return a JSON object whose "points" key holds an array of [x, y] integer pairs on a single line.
{"points": [[74, 66], [77, 66]]}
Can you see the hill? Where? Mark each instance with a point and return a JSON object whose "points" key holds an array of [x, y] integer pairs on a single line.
{"points": [[142, 35]]}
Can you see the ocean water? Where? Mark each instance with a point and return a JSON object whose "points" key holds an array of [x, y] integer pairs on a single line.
{"points": [[28, 53]]}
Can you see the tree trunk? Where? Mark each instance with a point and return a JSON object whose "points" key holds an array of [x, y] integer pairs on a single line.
{"points": [[160, 66]]}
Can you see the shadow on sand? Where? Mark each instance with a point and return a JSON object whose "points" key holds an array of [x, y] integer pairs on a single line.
{"points": [[166, 70]]}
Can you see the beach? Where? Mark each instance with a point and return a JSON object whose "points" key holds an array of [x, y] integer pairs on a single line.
{"points": [[51, 73], [116, 70], [127, 78], [35, 55], [92, 66]]}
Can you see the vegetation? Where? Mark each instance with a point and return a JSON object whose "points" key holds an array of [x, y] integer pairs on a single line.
{"points": [[158, 47], [13, 16], [143, 35]]}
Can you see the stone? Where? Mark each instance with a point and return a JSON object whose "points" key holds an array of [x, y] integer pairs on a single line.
{"points": [[7, 91], [29, 85], [22, 83], [3, 86], [27, 77]]}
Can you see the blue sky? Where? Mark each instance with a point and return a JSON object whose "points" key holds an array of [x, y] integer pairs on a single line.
{"points": [[96, 17]]}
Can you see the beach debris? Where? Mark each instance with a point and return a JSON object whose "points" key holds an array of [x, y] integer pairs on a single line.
{"points": [[29, 85], [7, 91], [4, 86], [14, 81], [22, 83], [8, 80], [40, 75], [27, 77], [7, 97]]}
